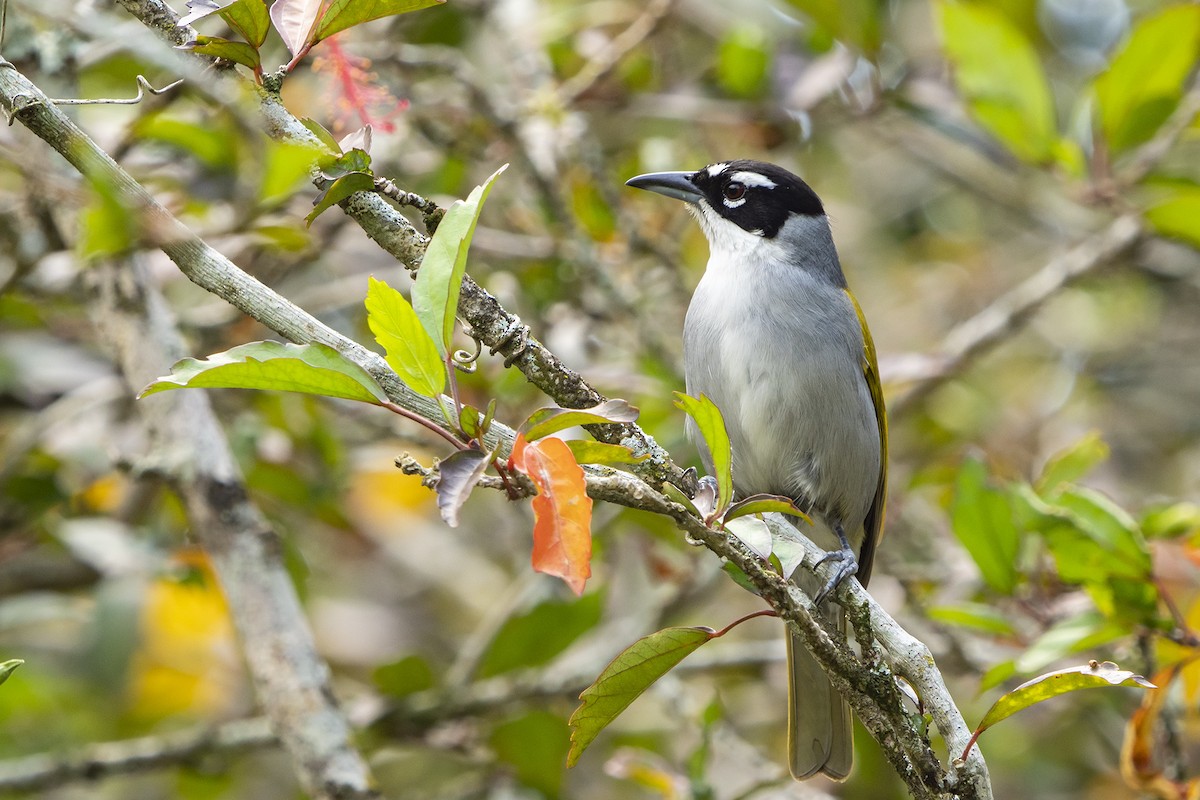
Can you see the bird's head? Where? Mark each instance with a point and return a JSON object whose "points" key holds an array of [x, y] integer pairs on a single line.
{"points": [[752, 207]]}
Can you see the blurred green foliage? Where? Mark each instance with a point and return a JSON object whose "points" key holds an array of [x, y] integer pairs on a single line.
{"points": [[1043, 507]]}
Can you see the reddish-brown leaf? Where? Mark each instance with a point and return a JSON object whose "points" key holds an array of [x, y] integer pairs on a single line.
{"points": [[562, 511]]}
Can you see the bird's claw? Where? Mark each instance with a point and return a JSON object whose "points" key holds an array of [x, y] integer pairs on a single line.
{"points": [[847, 565]]}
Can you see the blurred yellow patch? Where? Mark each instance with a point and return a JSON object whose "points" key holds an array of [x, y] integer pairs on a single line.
{"points": [[105, 494], [379, 495], [188, 661]]}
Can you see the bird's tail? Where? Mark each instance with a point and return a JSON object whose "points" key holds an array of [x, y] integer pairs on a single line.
{"points": [[820, 729]]}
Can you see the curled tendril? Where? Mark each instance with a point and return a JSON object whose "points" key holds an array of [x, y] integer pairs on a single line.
{"points": [[468, 362]]}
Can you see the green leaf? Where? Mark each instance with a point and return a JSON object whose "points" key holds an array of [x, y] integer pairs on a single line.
{"points": [[536, 637], [975, 616], [354, 160], [1071, 464], [1144, 82], [752, 532], [743, 61], [1110, 526], [546, 421], [439, 280], [457, 476], [307, 368], [764, 504], [983, 522], [854, 22], [237, 52], [343, 14], [1169, 522], [1179, 215], [410, 351], [629, 674], [211, 144], [106, 226], [589, 452], [8, 667], [323, 135], [1001, 78], [339, 190], [707, 416], [287, 166], [1072, 635], [1092, 675], [249, 18], [675, 494], [402, 678], [533, 745]]}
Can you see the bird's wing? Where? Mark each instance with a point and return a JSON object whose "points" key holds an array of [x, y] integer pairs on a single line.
{"points": [[873, 525]]}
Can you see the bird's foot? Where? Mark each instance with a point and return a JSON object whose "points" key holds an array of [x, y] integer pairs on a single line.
{"points": [[847, 565]]}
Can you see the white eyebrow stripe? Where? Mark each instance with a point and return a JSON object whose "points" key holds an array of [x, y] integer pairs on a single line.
{"points": [[714, 170], [753, 179]]}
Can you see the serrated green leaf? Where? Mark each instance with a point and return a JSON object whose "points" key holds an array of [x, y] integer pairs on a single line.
{"points": [[587, 451], [249, 18], [1093, 675], [1145, 80], [983, 522], [439, 280], [410, 351], [343, 14], [339, 190], [975, 616], [307, 368], [629, 674], [546, 421], [237, 52], [764, 504], [1179, 215], [8, 667], [1001, 78], [709, 422], [1072, 463]]}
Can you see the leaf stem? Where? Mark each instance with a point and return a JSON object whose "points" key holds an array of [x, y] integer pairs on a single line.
{"points": [[415, 417], [766, 612]]}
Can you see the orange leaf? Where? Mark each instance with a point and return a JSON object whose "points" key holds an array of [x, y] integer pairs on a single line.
{"points": [[562, 512], [516, 459]]}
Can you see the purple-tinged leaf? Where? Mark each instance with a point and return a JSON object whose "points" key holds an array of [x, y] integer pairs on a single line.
{"points": [[457, 476]]}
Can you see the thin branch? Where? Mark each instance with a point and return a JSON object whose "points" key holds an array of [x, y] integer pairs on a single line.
{"points": [[863, 685], [144, 88], [187, 445], [107, 759], [603, 62], [972, 338]]}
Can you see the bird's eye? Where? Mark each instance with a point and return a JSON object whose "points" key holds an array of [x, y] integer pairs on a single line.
{"points": [[735, 191]]}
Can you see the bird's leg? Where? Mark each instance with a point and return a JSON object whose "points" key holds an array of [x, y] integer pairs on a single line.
{"points": [[847, 565]]}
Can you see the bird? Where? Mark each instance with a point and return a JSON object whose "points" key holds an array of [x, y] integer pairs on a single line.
{"points": [[775, 339]]}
